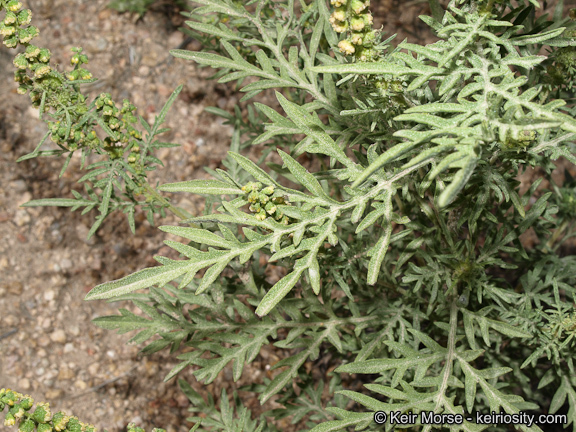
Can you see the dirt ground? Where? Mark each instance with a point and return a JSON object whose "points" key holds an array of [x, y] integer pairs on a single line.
{"points": [[48, 346]]}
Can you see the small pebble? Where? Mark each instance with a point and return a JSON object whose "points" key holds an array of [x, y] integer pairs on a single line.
{"points": [[10, 320], [66, 374], [68, 348], [80, 385], [24, 384], [93, 369], [65, 264], [15, 287], [54, 394], [18, 186], [21, 217], [58, 336]]}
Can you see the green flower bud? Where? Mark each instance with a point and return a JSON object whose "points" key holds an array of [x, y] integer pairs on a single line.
{"points": [[107, 111], [263, 198], [14, 5], [339, 14], [254, 208], [87, 428], [261, 215], [357, 24], [11, 42], [336, 3], [114, 123], [10, 18], [131, 158], [10, 397], [358, 6], [268, 190], [32, 51], [60, 420], [22, 90], [74, 425], [27, 426], [27, 34], [338, 26], [368, 19], [346, 47], [572, 14], [20, 61], [356, 39], [19, 76], [44, 427], [44, 55], [369, 39], [17, 411], [42, 70], [24, 17], [7, 30], [132, 428], [253, 197], [9, 420], [75, 59], [270, 208], [136, 148]]}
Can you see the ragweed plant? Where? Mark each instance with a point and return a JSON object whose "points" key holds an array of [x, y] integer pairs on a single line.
{"points": [[398, 233]]}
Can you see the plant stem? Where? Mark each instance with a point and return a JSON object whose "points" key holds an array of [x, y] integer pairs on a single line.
{"points": [[181, 213]]}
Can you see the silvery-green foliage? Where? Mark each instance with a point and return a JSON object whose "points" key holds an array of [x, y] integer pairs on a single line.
{"points": [[415, 217], [400, 236]]}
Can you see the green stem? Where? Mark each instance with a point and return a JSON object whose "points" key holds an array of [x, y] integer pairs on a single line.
{"points": [[181, 213]]}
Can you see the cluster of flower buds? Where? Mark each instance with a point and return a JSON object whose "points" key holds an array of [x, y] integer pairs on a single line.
{"points": [[34, 59], [120, 121], [12, 27], [354, 18], [264, 202], [520, 141], [77, 60], [40, 419], [35, 75], [77, 137], [14, 32]]}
